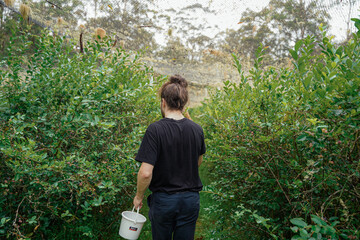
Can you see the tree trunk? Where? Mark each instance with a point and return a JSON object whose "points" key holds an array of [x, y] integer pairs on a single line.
{"points": [[95, 3], [348, 21], [1, 15]]}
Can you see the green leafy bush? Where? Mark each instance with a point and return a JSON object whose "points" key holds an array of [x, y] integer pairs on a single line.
{"points": [[321, 230], [284, 143], [70, 125]]}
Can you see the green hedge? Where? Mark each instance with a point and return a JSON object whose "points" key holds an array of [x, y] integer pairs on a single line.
{"points": [[285, 145], [70, 126]]}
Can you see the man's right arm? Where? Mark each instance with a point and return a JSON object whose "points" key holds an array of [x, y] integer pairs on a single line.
{"points": [[143, 181], [200, 160]]}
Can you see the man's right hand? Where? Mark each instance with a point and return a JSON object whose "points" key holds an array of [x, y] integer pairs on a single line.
{"points": [[138, 202]]}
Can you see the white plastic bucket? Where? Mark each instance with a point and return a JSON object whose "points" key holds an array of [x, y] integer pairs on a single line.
{"points": [[131, 224]]}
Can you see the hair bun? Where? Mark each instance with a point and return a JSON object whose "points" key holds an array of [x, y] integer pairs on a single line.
{"points": [[177, 79]]}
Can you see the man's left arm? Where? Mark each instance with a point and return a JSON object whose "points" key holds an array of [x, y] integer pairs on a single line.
{"points": [[143, 181]]}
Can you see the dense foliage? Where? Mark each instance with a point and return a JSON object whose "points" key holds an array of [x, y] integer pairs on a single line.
{"points": [[285, 146], [70, 126], [10, 23]]}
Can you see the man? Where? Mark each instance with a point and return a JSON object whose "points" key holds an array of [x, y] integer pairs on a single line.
{"points": [[170, 155]]}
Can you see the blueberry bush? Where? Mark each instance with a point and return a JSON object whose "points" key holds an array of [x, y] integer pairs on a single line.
{"points": [[283, 146], [70, 126]]}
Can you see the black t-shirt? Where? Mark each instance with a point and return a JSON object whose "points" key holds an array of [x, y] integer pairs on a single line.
{"points": [[173, 147]]}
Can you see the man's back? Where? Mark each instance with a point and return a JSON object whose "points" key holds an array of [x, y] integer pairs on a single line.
{"points": [[173, 147], [170, 154]]}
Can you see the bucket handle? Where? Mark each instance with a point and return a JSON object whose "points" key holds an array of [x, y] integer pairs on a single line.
{"points": [[137, 213]]}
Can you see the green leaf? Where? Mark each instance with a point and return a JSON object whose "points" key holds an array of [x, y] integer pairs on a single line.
{"points": [[301, 138], [298, 45], [66, 214], [316, 228], [294, 54], [4, 220], [357, 23], [298, 222], [307, 81], [328, 230], [304, 233], [318, 220], [32, 220]]}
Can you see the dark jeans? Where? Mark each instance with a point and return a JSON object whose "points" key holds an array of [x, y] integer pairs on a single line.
{"points": [[173, 216]]}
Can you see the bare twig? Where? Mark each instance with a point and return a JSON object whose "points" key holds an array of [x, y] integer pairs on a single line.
{"points": [[144, 26], [277, 180], [357, 139], [219, 194], [53, 4], [81, 43], [17, 211], [323, 205], [16, 216], [334, 193], [312, 189]]}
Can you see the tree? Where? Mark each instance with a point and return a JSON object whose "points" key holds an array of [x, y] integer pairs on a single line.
{"points": [[187, 31], [175, 51], [62, 11], [278, 26], [346, 9], [129, 20]]}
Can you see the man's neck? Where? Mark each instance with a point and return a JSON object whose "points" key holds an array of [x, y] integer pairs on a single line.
{"points": [[176, 115]]}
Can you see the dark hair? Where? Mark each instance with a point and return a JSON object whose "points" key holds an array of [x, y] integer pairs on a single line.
{"points": [[175, 93]]}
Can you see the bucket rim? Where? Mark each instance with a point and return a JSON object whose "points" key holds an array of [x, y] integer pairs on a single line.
{"points": [[133, 220]]}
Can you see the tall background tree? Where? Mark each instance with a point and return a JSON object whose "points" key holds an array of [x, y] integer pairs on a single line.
{"points": [[131, 20], [187, 33], [344, 10], [277, 26]]}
